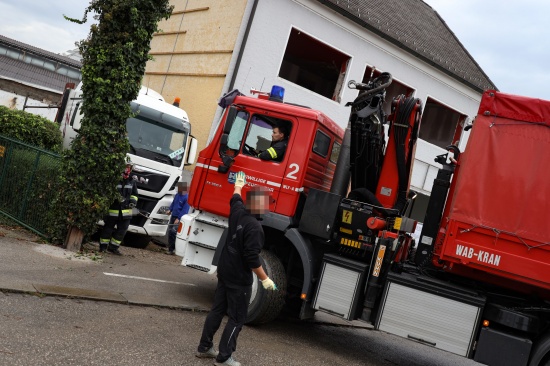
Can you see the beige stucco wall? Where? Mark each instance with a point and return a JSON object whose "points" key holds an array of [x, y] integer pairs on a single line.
{"points": [[192, 56]]}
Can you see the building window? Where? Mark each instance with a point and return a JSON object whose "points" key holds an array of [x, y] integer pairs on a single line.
{"points": [[314, 65], [440, 124]]}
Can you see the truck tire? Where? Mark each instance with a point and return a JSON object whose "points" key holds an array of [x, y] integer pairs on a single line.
{"points": [[266, 305], [136, 241], [540, 352]]}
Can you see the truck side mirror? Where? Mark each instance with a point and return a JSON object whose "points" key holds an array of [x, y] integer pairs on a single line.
{"points": [[231, 114], [226, 159], [227, 162], [192, 152], [224, 139], [76, 118]]}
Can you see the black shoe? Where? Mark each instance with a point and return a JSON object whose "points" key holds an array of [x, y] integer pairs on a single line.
{"points": [[114, 250], [102, 248], [171, 252]]}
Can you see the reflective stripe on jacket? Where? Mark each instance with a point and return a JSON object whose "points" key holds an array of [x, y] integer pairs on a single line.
{"points": [[128, 193], [275, 152]]}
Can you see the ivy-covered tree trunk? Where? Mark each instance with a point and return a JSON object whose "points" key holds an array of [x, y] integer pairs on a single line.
{"points": [[114, 58]]}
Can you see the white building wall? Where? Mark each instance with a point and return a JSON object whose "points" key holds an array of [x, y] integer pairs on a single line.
{"points": [[266, 45], [17, 102]]}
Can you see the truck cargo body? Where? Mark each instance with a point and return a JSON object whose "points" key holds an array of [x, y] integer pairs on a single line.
{"points": [[498, 215]]}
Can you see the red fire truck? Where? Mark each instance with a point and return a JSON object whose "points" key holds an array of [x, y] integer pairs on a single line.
{"points": [[338, 234]]}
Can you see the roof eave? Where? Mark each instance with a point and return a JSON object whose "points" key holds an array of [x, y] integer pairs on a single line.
{"points": [[401, 45]]}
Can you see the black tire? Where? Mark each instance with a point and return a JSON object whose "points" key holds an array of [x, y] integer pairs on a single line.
{"points": [[136, 241], [266, 305]]}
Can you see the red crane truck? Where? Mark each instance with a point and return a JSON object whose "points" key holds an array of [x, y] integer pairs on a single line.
{"points": [[338, 234]]}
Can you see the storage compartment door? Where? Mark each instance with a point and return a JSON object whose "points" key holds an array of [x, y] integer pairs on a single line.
{"points": [[435, 320], [339, 290]]}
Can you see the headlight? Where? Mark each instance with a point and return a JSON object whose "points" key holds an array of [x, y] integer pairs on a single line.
{"points": [[163, 210]]}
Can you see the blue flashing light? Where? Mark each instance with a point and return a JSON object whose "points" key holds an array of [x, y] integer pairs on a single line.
{"points": [[277, 93]]}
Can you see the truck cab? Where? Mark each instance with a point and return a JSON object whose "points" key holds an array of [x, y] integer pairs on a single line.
{"points": [[308, 163], [314, 142], [161, 146]]}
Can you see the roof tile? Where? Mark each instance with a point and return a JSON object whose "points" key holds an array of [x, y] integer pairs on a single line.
{"points": [[418, 29]]}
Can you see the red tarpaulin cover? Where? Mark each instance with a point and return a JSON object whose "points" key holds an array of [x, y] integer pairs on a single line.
{"points": [[504, 180]]}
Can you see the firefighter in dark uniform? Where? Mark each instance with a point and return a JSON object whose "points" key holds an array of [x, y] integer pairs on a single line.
{"points": [[120, 213], [279, 142]]}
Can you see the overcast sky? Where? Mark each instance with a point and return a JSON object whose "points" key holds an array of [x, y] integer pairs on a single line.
{"points": [[510, 40]]}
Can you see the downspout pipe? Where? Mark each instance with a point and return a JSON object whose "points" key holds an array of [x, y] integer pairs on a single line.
{"points": [[235, 62]]}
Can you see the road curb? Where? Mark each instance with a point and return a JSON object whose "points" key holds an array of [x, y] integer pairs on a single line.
{"points": [[80, 293], [92, 295], [112, 297]]}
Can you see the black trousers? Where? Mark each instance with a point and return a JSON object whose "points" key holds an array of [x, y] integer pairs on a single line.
{"points": [[110, 235], [172, 233], [234, 302]]}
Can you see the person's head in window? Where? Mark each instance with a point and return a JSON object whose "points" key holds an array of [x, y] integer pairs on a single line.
{"points": [[279, 141], [279, 134]]}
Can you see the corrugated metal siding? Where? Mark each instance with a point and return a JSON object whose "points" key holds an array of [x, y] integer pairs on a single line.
{"points": [[34, 75], [449, 324]]}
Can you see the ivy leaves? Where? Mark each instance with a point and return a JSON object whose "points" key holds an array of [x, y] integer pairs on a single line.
{"points": [[114, 56]]}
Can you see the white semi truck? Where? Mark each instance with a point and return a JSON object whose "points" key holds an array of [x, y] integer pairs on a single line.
{"points": [[160, 146]]}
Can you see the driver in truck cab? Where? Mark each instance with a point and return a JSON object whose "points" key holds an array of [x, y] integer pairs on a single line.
{"points": [[279, 142]]}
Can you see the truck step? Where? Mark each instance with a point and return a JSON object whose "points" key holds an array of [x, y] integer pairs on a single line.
{"points": [[199, 256], [200, 268], [212, 223], [202, 245]]}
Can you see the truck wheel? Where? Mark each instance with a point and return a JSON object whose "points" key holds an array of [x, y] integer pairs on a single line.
{"points": [[540, 352], [266, 305], [136, 241]]}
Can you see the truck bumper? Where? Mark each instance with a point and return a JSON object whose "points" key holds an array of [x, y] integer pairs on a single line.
{"points": [[151, 224], [198, 238], [152, 230]]}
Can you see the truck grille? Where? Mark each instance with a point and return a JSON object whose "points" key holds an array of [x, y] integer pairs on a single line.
{"points": [[151, 182], [145, 206]]}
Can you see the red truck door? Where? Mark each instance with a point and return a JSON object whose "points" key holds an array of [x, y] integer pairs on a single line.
{"points": [[248, 133]]}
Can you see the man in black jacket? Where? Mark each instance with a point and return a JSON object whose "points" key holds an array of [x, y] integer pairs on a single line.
{"points": [[240, 258], [120, 213], [279, 142]]}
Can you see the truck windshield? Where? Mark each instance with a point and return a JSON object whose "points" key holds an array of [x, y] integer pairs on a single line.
{"points": [[156, 142]]}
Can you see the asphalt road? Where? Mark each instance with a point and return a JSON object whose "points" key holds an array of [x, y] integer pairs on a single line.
{"points": [[62, 331]]}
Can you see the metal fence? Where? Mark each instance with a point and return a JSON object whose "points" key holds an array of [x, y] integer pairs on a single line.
{"points": [[28, 182]]}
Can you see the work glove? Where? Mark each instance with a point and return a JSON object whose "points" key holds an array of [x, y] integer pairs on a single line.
{"points": [[268, 284], [132, 203], [240, 179]]}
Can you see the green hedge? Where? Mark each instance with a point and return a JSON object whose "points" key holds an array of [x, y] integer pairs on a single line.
{"points": [[31, 129], [33, 174]]}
